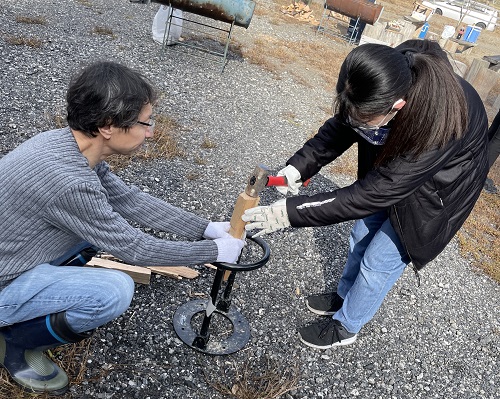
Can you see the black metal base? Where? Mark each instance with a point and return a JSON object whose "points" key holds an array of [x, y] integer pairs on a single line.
{"points": [[200, 340], [182, 325]]}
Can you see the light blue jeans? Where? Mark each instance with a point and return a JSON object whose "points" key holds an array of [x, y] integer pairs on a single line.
{"points": [[376, 260], [90, 297]]}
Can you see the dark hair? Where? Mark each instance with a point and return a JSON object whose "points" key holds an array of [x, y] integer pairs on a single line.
{"points": [[373, 77], [106, 93]]}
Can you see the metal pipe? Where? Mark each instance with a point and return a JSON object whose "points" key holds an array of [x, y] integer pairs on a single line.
{"points": [[202, 339]]}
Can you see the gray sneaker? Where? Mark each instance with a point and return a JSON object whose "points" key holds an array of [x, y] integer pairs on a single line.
{"points": [[326, 334], [324, 304]]}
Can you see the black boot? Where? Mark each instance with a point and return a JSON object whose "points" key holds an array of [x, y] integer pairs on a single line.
{"points": [[21, 352]]}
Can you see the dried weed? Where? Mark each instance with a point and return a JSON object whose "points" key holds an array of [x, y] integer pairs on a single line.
{"points": [[31, 20], [163, 144], [257, 378], [33, 42], [104, 31]]}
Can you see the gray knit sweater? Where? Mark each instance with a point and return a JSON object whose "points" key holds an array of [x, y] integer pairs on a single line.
{"points": [[51, 199]]}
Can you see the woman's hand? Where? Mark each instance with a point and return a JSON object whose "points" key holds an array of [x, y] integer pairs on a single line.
{"points": [[268, 218]]}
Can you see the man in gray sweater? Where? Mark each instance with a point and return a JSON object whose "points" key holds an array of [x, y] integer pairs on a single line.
{"points": [[60, 202]]}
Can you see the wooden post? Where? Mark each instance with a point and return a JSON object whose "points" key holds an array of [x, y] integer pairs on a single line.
{"points": [[243, 203], [481, 78], [246, 200], [450, 46]]}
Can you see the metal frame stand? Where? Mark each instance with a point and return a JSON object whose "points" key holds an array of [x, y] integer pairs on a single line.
{"points": [[325, 20], [200, 339], [199, 30]]}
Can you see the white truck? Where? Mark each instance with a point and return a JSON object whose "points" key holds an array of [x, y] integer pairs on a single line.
{"points": [[467, 11]]}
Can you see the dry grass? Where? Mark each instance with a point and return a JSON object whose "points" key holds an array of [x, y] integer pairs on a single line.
{"points": [[301, 59], [479, 238], [33, 42], [208, 143], [71, 358], [257, 379], [104, 31], [31, 20], [163, 144]]}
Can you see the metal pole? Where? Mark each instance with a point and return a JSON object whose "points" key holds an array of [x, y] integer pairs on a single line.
{"points": [[202, 339]]}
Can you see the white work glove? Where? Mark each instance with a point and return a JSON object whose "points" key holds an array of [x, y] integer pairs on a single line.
{"points": [[293, 178], [217, 230], [229, 249], [269, 218]]}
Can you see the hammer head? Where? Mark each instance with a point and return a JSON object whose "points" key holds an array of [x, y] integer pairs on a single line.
{"points": [[257, 181]]}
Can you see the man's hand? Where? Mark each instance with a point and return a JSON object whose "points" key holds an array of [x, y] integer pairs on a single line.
{"points": [[269, 218], [217, 230], [229, 249], [293, 178]]}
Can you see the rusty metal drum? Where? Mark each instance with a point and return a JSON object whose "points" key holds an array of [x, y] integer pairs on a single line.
{"points": [[238, 11], [362, 9]]}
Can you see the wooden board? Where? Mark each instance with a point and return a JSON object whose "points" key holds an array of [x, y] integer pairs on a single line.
{"points": [[141, 275], [175, 271]]}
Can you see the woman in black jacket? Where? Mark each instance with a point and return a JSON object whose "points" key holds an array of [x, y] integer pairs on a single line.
{"points": [[422, 161]]}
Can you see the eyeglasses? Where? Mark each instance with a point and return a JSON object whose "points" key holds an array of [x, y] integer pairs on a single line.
{"points": [[150, 124]]}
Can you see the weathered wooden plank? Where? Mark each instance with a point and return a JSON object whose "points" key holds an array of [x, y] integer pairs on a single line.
{"points": [[141, 275], [175, 271]]}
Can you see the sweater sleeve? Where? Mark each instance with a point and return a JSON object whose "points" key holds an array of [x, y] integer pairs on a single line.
{"points": [[146, 210], [84, 211]]}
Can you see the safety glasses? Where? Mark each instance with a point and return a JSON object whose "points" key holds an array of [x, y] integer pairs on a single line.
{"points": [[374, 134]]}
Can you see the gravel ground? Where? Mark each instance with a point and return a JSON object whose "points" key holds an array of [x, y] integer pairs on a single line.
{"points": [[439, 340]]}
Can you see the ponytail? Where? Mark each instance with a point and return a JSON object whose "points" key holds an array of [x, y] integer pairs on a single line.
{"points": [[435, 112], [373, 77]]}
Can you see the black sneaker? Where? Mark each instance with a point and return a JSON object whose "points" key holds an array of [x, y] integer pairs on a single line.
{"points": [[326, 334], [324, 304]]}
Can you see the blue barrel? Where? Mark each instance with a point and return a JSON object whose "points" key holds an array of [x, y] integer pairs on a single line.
{"points": [[238, 11]]}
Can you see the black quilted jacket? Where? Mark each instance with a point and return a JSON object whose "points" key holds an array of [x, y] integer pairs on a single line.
{"points": [[427, 199]]}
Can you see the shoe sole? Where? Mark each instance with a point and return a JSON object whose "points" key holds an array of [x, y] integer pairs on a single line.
{"points": [[320, 312], [344, 342]]}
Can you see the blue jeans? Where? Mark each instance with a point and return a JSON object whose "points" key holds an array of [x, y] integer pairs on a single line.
{"points": [[376, 260], [90, 297]]}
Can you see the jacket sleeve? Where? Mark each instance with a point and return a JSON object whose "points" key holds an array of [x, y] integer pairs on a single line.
{"points": [[378, 190], [146, 210], [332, 139]]}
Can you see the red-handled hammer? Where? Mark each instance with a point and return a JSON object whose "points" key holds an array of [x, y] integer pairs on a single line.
{"points": [[257, 182], [281, 181]]}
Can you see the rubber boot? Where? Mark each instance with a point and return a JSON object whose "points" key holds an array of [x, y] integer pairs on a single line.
{"points": [[21, 352]]}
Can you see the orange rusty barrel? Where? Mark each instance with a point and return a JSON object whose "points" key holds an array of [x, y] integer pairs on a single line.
{"points": [[362, 9]]}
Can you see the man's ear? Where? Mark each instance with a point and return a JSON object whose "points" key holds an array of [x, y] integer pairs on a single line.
{"points": [[106, 131], [399, 104]]}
